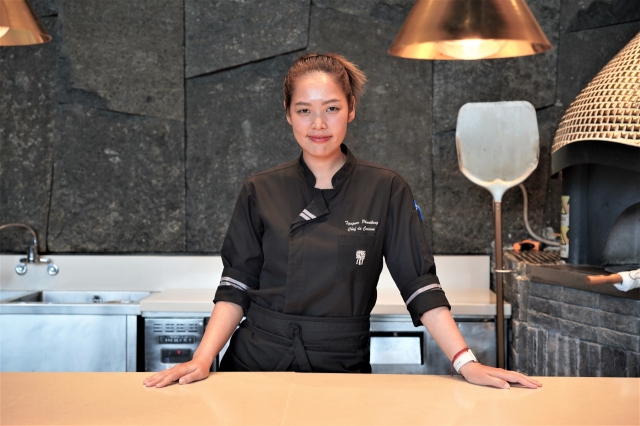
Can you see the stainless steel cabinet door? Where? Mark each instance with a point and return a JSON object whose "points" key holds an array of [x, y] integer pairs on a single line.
{"points": [[397, 347], [63, 343]]}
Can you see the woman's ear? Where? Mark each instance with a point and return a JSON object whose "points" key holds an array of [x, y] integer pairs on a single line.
{"points": [[286, 111], [352, 113]]}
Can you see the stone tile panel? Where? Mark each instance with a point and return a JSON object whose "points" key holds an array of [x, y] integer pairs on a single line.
{"points": [[584, 53], [118, 184], [577, 330], [565, 327], [512, 360], [510, 292], [595, 360], [520, 309], [546, 321], [561, 362], [585, 14], [27, 133], [620, 363], [583, 359], [523, 299], [581, 298], [45, 8], [551, 367], [547, 291], [624, 323], [124, 55], [580, 314], [541, 353], [526, 348], [633, 364], [574, 360], [619, 305], [564, 359], [391, 11], [607, 368], [518, 344], [222, 33], [547, 14], [619, 340], [546, 306], [532, 348], [236, 127], [518, 300], [567, 361], [524, 287]]}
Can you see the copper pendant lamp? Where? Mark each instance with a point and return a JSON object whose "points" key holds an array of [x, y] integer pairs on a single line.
{"points": [[468, 30], [19, 24]]}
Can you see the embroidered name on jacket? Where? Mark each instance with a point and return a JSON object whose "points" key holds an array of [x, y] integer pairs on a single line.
{"points": [[361, 225]]}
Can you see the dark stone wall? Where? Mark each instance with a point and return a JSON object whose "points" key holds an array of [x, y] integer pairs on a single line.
{"points": [[558, 331], [133, 130]]}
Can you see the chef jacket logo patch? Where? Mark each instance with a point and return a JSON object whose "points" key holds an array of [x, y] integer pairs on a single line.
{"points": [[360, 255]]}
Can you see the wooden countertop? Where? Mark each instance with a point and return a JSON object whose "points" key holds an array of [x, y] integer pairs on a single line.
{"points": [[321, 399]]}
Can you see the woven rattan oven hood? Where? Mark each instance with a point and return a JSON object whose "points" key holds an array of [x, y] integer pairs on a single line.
{"points": [[607, 110]]}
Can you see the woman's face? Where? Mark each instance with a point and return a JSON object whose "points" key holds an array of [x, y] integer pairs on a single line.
{"points": [[318, 115]]}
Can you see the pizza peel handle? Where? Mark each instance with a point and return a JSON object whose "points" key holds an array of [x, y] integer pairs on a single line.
{"points": [[497, 143]]}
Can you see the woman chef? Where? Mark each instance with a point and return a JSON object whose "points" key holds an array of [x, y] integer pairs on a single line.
{"points": [[304, 250]]}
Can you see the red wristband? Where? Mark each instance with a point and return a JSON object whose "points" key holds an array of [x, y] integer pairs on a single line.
{"points": [[456, 356]]}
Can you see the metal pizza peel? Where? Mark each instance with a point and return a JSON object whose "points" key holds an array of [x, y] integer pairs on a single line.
{"points": [[498, 148]]}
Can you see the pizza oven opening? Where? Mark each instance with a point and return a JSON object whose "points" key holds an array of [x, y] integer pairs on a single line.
{"points": [[602, 203], [622, 246]]}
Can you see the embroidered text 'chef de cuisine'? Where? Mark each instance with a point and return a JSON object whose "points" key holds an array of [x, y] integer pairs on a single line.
{"points": [[362, 225]]}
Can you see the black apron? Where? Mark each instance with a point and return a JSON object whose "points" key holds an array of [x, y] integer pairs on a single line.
{"points": [[272, 341]]}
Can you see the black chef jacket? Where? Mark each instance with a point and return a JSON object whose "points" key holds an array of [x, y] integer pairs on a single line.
{"points": [[296, 249]]}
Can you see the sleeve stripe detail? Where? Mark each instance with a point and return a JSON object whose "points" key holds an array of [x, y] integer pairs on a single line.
{"points": [[304, 216], [422, 290], [234, 283], [308, 213]]}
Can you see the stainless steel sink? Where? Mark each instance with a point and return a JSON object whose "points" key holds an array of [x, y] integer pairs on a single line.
{"points": [[70, 331], [11, 294], [75, 302]]}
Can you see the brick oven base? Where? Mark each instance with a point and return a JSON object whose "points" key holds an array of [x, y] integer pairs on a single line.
{"points": [[556, 330]]}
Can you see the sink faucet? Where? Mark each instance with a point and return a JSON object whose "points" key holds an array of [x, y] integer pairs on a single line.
{"points": [[32, 252]]}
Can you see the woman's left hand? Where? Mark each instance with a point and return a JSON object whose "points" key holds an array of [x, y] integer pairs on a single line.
{"points": [[479, 374]]}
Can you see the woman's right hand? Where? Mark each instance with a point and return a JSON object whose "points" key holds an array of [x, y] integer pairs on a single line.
{"points": [[223, 322], [188, 372]]}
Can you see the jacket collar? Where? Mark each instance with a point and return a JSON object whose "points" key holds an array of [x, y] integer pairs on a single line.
{"points": [[338, 179]]}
